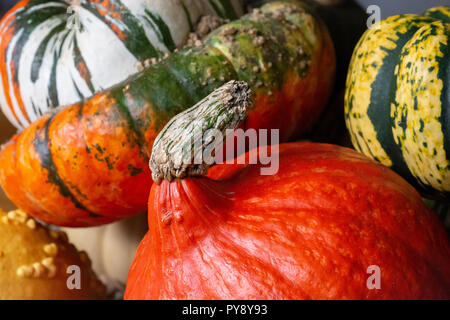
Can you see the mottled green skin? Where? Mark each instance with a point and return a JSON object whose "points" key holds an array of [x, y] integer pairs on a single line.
{"points": [[273, 58], [184, 73]]}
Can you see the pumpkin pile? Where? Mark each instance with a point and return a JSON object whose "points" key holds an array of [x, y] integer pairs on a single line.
{"points": [[107, 137]]}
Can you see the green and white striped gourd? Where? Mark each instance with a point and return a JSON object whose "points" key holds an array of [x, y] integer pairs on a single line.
{"points": [[57, 52]]}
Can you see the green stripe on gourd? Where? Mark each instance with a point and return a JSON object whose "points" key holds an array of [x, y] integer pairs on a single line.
{"points": [[42, 140], [440, 13], [420, 112], [394, 36], [371, 82]]}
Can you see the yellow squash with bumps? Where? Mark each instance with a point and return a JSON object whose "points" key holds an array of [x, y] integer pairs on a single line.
{"points": [[34, 263]]}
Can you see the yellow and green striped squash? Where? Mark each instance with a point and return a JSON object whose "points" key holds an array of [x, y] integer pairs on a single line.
{"points": [[61, 52], [398, 98]]}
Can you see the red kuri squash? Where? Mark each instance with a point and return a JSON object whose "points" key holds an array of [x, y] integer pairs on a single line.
{"points": [[314, 230]]}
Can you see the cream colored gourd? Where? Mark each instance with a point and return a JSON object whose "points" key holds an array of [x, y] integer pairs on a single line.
{"points": [[111, 247]]}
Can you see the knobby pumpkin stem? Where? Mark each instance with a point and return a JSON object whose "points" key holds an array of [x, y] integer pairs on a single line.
{"points": [[179, 148]]}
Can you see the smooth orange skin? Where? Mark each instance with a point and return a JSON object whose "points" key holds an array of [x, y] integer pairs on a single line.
{"points": [[308, 232]]}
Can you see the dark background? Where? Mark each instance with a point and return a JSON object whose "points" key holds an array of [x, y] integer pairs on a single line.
{"points": [[5, 5], [393, 7]]}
